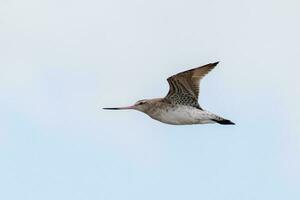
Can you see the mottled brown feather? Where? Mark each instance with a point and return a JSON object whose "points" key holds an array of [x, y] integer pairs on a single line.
{"points": [[184, 86]]}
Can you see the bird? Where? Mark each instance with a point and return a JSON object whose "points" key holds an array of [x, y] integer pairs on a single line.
{"points": [[180, 106]]}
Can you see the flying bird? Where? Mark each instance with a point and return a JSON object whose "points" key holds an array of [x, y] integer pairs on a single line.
{"points": [[180, 106]]}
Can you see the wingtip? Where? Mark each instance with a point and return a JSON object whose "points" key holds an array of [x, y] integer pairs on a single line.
{"points": [[215, 63]]}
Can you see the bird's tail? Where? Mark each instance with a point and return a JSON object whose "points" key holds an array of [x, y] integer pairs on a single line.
{"points": [[223, 121]]}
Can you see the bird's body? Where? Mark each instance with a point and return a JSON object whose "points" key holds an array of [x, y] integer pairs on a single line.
{"points": [[183, 115], [180, 106], [163, 111]]}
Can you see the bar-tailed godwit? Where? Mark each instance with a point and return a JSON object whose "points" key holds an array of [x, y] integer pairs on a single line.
{"points": [[180, 106]]}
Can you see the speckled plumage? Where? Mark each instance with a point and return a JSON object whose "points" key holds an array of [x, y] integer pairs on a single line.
{"points": [[184, 86]]}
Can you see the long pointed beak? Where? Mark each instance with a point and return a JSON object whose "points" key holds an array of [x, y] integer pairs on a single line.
{"points": [[121, 108]]}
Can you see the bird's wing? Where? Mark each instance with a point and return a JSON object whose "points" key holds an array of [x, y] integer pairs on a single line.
{"points": [[184, 86]]}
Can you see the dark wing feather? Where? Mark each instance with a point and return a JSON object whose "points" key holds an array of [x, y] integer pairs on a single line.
{"points": [[184, 86]]}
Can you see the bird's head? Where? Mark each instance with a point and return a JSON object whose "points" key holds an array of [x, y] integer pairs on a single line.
{"points": [[142, 105]]}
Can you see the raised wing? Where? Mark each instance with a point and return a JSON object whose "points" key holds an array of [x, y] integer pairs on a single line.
{"points": [[184, 86]]}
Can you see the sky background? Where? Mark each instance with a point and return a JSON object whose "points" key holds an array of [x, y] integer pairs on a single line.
{"points": [[61, 61]]}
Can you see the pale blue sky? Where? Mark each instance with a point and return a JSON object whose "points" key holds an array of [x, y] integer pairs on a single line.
{"points": [[61, 61]]}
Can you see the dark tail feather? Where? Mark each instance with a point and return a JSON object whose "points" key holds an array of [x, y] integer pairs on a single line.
{"points": [[224, 122]]}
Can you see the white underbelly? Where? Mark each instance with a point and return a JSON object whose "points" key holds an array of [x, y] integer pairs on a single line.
{"points": [[183, 115]]}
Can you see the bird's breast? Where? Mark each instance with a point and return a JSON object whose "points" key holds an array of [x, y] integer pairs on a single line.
{"points": [[177, 115]]}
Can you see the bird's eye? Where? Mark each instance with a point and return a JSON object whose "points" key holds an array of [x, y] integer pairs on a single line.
{"points": [[141, 103]]}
